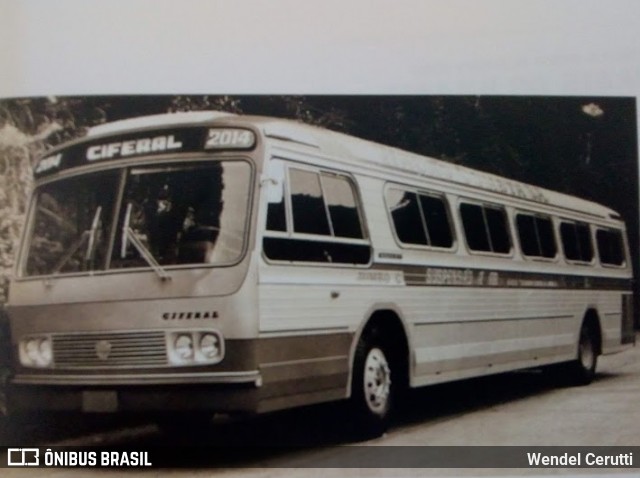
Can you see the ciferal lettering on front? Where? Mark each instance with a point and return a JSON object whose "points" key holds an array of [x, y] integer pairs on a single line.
{"points": [[190, 315], [133, 147]]}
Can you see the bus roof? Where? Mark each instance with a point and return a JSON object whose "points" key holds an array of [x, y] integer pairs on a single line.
{"points": [[160, 120], [364, 153]]}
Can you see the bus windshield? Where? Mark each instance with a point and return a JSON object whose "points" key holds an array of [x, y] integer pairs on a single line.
{"points": [[175, 214]]}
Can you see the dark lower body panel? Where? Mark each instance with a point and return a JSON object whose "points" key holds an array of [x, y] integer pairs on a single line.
{"points": [[259, 375], [236, 398]]}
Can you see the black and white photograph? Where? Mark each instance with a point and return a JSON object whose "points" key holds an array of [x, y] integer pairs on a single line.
{"points": [[277, 277]]}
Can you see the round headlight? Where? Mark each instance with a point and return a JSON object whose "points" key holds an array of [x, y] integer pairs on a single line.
{"points": [[183, 346], [46, 351], [210, 346], [31, 349]]}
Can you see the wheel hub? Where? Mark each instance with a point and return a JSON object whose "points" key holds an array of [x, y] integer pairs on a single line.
{"points": [[377, 381]]}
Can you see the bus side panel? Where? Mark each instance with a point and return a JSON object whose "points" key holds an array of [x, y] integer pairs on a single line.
{"points": [[306, 334], [455, 331], [468, 331], [300, 370], [616, 320]]}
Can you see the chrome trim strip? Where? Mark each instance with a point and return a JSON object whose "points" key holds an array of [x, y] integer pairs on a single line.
{"points": [[303, 331], [285, 363], [493, 319], [133, 379]]}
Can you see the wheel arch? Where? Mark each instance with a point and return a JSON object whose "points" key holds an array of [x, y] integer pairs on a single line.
{"points": [[390, 319], [591, 318]]}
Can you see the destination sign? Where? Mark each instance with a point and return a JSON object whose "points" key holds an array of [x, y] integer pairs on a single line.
{"points": [[131, 145]]}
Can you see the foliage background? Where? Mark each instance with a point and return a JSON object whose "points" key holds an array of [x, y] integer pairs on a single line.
{"points": [[581, 146]]}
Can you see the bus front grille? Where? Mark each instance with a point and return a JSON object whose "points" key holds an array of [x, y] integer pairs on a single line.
{"points": [[94, 350]]}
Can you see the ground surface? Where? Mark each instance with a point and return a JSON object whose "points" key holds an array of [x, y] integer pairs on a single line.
{"points": [[520, 409]]}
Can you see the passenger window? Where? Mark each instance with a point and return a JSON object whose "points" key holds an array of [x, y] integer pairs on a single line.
{"points": [[307, 203], [475, 230], [276, 209], [322, 204], [276, 217], [548, 246], [528, 235], [407, 220], [498, 232], [576, 241], [419, 219], [536, 235], [343, 210], [485, 228], [610, 247], [437, 222]]}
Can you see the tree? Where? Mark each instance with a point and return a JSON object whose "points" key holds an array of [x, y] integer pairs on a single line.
{"points": [[540, 140], [15, 185]]}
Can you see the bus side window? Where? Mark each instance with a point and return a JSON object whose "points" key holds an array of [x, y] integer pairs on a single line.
{"points": [[576, 241], [437, 221], [323, 205], [485, 228], [536, 235], [610, 248], [498, 231], [342, 207], [419, 218], [307, 203], [406, 216], [276, 208], [548, 246]]}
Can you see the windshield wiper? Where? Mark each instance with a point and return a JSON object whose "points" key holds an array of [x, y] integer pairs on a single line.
{"points": [[96, 225], [130, 236], [89, 236]]}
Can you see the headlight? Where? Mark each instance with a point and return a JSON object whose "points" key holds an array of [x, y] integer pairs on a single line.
{"points": [[210, 346], [184, 346], [31, 349], [36, 351], [195, 347], [45, 349]]}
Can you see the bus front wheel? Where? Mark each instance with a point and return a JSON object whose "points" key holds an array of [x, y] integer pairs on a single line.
{"points": [[372, 390]]}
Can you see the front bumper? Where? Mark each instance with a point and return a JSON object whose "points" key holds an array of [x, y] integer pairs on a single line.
{"points": [[213, 398], [171, 378]]}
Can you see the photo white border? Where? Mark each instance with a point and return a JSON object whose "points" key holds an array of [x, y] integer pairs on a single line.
{"points": [[504, 47], [389, 47]]}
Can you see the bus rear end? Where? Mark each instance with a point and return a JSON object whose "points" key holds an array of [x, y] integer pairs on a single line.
{"points": [[135, 285]]}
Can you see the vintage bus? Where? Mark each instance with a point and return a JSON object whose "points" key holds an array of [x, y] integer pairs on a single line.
{"points": [[207, 262]]}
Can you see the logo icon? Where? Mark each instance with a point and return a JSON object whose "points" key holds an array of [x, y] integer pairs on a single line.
{"points": [[103, 349], [23, 457]]}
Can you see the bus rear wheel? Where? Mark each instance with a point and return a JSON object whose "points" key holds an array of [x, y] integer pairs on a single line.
{"points": [[372, 389], [583, 369]]}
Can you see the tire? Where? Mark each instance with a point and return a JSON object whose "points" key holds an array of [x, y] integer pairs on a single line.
{"points": [[372, 391], [583, 369]]}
